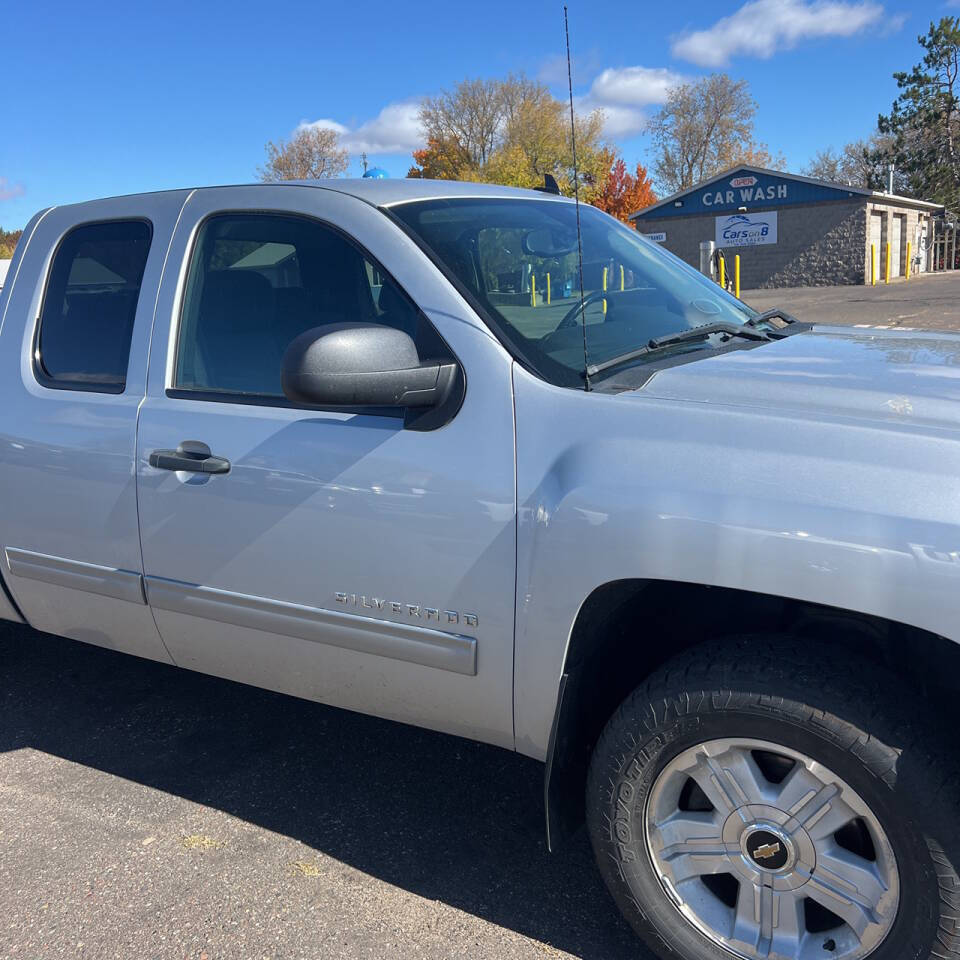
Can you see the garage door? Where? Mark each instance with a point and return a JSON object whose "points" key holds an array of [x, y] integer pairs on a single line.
{"points": [[896, 239]]}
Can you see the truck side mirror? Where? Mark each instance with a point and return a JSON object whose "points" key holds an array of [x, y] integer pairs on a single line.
{"points": [[362, 365]]}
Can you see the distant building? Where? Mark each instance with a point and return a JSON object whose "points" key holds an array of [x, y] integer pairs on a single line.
{"points": [[794, 231], [4, 267]]}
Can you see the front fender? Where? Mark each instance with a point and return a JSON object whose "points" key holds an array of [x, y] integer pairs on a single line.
{"points": [[857, 515]]}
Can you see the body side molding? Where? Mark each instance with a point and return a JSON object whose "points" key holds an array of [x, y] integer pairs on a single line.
{"points": [[77, 575], [383, 638]]}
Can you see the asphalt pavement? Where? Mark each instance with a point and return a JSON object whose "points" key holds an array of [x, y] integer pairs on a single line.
{"points": [[147, 812], [930, 301]]}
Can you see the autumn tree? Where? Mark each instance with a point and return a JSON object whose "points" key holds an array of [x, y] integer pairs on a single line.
{"points": [[8, 242], [471, 118], [312, 153], [623, 193], [510, 131], [860, 163], [706, 126], [924, 121], [829, 165], [442, 158], [537, 141]]}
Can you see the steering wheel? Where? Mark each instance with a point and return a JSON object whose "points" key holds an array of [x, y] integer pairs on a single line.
{"points": [[570, 317]]}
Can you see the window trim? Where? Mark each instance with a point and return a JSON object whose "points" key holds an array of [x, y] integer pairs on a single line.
{"points": [[281, 403], [36, 359], [171, 390]]}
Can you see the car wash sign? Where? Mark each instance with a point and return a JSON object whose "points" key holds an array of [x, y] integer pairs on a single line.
{"points": [[745, 190], [746, 230]]}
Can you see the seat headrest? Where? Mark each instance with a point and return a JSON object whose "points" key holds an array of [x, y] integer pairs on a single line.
{"points": [[238, 299]]}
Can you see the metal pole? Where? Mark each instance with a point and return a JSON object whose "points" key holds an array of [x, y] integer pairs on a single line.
{"points": [[736, 275], [706, 257], [907, 274], [873, 264], [886, 276]]}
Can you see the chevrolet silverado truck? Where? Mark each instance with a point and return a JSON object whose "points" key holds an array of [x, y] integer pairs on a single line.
{"points": [[433, 452]]}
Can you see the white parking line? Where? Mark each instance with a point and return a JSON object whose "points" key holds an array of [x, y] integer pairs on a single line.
{"points": [[883, 326]]}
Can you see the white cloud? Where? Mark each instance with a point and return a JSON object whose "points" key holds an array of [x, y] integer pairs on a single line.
{"points": [[762, 27], [634, 86], [624, 93], [324, 123], [10, 190], [395, 129]]}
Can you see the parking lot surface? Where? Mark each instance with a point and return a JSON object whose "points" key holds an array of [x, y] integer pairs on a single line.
{"points": [[928, 301], [147, 812]]}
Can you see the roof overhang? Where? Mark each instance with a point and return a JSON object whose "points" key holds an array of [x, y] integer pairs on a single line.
{"points": [[811, 188]]}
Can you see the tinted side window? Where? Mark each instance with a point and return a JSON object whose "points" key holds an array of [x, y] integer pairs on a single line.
{"points": [[90, 304], [257, 281]]}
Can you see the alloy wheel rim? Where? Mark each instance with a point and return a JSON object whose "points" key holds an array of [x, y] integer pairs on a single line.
{"points": [[769, 854]]}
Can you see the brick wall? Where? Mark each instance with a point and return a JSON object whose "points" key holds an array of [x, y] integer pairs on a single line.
{"points": [[817, 245]]}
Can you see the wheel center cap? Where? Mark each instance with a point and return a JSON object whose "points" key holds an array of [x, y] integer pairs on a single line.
{"points": [[768, 848]]}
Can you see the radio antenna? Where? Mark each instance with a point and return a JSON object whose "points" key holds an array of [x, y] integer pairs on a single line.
{"points": [[576, 200]]}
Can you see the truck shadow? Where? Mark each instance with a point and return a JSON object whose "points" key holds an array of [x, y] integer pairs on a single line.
{"points": [[438, 816]]}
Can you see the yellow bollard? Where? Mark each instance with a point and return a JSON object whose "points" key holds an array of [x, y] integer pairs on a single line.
{"points": [[621, 278], [736, 276], [886, 276], [723, 272], [604, 289], [533, 290], [906, 275], [548, 289], [873, 264]]}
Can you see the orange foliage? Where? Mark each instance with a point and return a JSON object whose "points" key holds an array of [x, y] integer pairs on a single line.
{"points": [[623, 193], [439, 160]]}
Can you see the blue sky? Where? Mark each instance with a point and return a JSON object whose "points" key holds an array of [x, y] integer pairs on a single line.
{"points": [[104, 98]]}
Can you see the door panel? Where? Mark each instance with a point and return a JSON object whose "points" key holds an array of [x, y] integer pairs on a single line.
{"points": [[342, 558], [896, 238], [71, 548]]}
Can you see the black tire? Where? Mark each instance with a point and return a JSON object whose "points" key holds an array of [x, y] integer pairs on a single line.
{"points": [[863, 724]]}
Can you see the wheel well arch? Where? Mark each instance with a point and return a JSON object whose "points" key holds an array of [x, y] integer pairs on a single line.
{"points": [[626, 629]]}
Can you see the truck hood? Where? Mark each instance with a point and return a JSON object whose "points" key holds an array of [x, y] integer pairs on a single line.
{"points": [[830, 371]]}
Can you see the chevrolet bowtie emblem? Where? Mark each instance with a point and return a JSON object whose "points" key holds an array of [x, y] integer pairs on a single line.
{"points": [[767, 851]]}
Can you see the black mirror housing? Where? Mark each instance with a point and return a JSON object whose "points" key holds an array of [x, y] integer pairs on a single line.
{"points": [[362, 365]]}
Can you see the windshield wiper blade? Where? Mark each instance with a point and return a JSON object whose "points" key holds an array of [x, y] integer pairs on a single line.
{"points": [[705, 330], [681, 336]]}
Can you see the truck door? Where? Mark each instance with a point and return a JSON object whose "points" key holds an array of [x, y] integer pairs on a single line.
{"points": [[340, 556], [73, 364]]}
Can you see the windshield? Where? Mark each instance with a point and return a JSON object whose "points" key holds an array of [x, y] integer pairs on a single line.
{"points": [[518, 259]]}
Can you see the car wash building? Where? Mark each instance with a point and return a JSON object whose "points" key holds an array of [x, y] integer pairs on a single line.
{"points": [[793, 231]]}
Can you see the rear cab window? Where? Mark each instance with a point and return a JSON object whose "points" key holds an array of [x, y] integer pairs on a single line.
{"points": [[89, 306]]}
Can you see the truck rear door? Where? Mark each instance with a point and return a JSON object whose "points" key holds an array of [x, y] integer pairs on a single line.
{"points": [[73, 365]]}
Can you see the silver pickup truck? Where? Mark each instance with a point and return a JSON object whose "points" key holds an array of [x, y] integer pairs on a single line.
{"points": [[366, 442]]}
